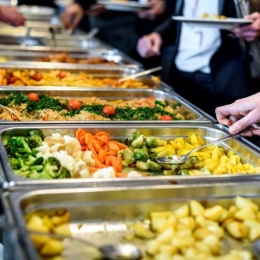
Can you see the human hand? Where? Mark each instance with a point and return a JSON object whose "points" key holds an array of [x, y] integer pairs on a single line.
{"points": [[72, 16], [149, 45], [249, 32], [96, 10], [9, 15], [240, 114], [156, 9]]}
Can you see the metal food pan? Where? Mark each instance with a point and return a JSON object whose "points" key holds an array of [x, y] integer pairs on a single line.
{"points": [[109, 94], [104, 214], [110, 55], [122, 132]]}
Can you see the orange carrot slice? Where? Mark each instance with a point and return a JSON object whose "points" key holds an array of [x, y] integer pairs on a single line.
{"points": [[80, 132], [88, 138], [119, 166], [96, 145], [120, 145], [82, 140], [121, 175], [102, 156], [113, 147]]}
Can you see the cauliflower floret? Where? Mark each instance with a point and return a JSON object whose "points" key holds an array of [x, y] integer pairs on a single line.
{"points": [[79, 166], [56, 136], [86, 157], [105, 173], [71, 142], [66, 160], [84, 173], [134, 174], [55, 147]]}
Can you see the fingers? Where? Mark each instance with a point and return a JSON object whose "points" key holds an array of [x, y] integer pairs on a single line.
{"points": [[72, 16], [76, 19], [66, 19], [150, 45], [223, 114]]}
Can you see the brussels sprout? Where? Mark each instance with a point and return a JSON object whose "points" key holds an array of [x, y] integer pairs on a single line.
{"points": [[138, 142], [140, 154], [153, 166], [169, 172], [174, 166], [152, 156], [128, 156], [135, 135], [183, 172], [190, 163], [154, 142], [142, 166]]}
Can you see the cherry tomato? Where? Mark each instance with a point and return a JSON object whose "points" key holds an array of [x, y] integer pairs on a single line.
{"points": [[37, 76], [74, 104], [15, 118], [62, 74], [12, 80], [33, 97], [108, 110], [166, 118], [45, 117]]}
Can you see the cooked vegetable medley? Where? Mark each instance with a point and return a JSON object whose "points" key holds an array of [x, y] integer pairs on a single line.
{"points": [[12, 77], [99, 156], [42, 107]]}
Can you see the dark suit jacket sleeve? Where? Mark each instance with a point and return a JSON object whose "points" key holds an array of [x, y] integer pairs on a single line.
{"points": [[167, 30], [85, 4]]}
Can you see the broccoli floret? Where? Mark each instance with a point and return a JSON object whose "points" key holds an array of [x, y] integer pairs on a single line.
{"points": [[15, 164], [34, 141], [18, 146], [51, 167], [34, 161], [37, 132], [154, 142], [140, 154], [63, 173], [160, 103]]}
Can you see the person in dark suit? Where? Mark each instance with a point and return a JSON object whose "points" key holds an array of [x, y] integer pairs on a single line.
{"points": [[206, 66]]}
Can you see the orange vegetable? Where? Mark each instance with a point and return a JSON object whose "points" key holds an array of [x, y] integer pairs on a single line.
{"points": [[92, 169], [79, 133], [120, 145], [113, 147], [119, 166], [92, 150], [98, 164], [82, 140], [96, 145], [88, 138], [102, 156], [114, 165], [121, 175]]}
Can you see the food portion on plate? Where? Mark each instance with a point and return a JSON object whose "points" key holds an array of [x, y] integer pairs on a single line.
{"points": [[41, 107], [65, 58], [99, 155], [212, 16], [29, 77]]}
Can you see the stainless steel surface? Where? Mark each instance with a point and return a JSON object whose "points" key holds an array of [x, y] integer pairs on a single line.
{"points": [[108, 94], [177, 159], [145, 72], [105, 213], [209, 132], [32, 55], [256, 249]]}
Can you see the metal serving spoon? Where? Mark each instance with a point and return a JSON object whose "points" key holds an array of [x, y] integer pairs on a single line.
{"points": [[139, 74], [10, 110], [178, 159]]}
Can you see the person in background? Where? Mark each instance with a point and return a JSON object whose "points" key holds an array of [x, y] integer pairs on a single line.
{"points": [[9, 15], [207, 66], [119, 29], [49, 3], [240, 114]]}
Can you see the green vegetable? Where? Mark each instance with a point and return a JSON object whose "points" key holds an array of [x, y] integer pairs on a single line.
{"points": [[138, 142], [140, 154], [18, 146], [153, 166], [160, 103], [153, 142], [128, 156], [141, 165]]}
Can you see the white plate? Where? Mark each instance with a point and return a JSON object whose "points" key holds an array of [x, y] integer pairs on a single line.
{"points": [[227, 24], [36, 10], [128, 6]]}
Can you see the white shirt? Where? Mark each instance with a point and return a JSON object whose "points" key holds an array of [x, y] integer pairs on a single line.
{"points": [[197, 44]]}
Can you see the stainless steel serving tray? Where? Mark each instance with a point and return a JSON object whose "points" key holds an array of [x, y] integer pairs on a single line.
{"points": [[108, 94], [105, 213], [112, 55], [121, 132]]}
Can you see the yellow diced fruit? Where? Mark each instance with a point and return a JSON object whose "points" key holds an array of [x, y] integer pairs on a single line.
{"points": [[237, 229], [159, 219], [63, 229], [200, 233], [52, 247], [243, 202], [254, 233], [47, 222], [188, 221], [194, 139], [196, 208], [182, 211], [214, 213], [202, 222], [202, 247], [201, 140], [58, 220], [245, 213], [224, 215], [179, 242], [166, 235], [232, 211], [217, 231], [170, 222], [213, 243], [142, 232], [153, 246]]}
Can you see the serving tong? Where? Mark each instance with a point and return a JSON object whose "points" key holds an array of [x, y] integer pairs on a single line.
{"points": [[11, 111]]}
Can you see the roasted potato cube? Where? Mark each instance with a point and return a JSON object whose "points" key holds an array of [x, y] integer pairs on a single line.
{"points": [[243, 202], [142, 232], [153, 246], [196, 209], [181, 242], [213, 243], [182, 211], [63, 229], [246, 213], [214, 213], [52, 247], [188, 221], [237, 229], [166, 235], [200, 233], [58, 220]]}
